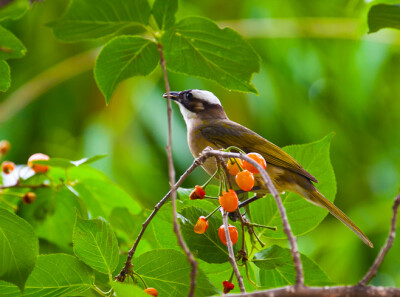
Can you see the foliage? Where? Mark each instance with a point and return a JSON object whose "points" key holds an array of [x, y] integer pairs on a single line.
{"points": [[82, 218]]}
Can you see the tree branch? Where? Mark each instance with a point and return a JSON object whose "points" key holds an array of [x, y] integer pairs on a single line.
{"points": [[286, 227], [389, 242], [230, 251], [171, 173], [125, 270], [353, 291]]}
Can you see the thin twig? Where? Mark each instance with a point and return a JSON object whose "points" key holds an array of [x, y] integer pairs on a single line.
{"points": [[389, 242], [232, 260], [171, 173], [124, 272], [286, 227]]}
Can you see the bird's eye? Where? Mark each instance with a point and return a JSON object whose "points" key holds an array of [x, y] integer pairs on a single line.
{"points": [[189, 96]]}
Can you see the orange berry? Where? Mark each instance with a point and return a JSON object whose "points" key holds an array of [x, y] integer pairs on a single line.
{"points": [[233, 233], [197, 193], [151, 291], [7, 167], [229, 200], [29, 198], [228, 286], [201, 225], [256, 157], [233, 167], [37, 167], [245, 180], [4, 147]]}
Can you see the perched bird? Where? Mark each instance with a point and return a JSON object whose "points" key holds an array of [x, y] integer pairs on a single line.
{"points": [[208, 125]]}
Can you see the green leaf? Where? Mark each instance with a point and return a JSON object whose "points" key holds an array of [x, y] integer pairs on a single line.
{"points": [[124, 221], [101, 196], [383, 16], [85, 20], [5, 79], [121, 58], [128, 290], [65, 163], [9, 290], [53, 215], [303, 216], [164, 13], [58, 275], [18, 249], [169, 271], [197, 47], [14, 10], [277, 269], [10, 46], [96, 245]]}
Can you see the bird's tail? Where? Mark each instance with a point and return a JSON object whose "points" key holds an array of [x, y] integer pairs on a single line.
{"points": [[317, 198]]}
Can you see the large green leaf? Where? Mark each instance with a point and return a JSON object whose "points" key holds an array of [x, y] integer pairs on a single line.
{"points": [[58, 275], [101, 196], [128, 290], [5, 79], [121, 58], [53, 215], [383, 16], [65, 163], [164, 13], [169, 271], [10, 46], [19, 248], [96, 245], [14, 10], [303, 216], [9, 290], [198, 47], [85, 20], [277, 269]]}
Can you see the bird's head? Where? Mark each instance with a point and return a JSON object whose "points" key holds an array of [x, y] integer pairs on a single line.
{"points": [[198, 104]]}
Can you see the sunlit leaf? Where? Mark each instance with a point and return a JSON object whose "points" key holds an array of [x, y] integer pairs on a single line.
{"points": [[9, 290], [14, 9], [303, 216], [10, 46], [58, 275], [65, 163], [18, 249], [383, 16], [128, 290], [198, 47], [5, 79], [277, 269], [164, 13], [121, 58], [169, 271], [85, 20], [95, 244]]}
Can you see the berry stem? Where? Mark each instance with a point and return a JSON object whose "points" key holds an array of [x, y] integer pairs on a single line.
{"points": [[211, 213], [228, 149], [273, 228], [210, 197], [138, 275], [210, 179]]}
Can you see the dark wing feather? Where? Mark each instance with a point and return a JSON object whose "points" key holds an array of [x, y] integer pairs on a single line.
{"points": [[227, 133]]}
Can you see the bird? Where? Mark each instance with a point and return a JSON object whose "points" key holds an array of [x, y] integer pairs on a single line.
{"points": [[209, 126]]}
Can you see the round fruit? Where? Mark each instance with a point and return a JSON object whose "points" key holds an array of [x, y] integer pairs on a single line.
{"points": [[197, 193], [201, 225], [228, 286], [4, 147], [256, 157], [245, 180], [37, 167], [7, 167], [29, 198], [233, 233], [233, 167], [151, 291], [229, 200]]}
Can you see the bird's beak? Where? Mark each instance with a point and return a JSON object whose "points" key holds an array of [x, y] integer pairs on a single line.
{"points": [[172, 95]]}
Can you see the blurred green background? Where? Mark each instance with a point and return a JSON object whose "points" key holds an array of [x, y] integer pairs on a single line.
{"points": [[320, 73]]}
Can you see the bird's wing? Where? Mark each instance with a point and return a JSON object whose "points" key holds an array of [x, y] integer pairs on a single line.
{"points": [[227, 133]]}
